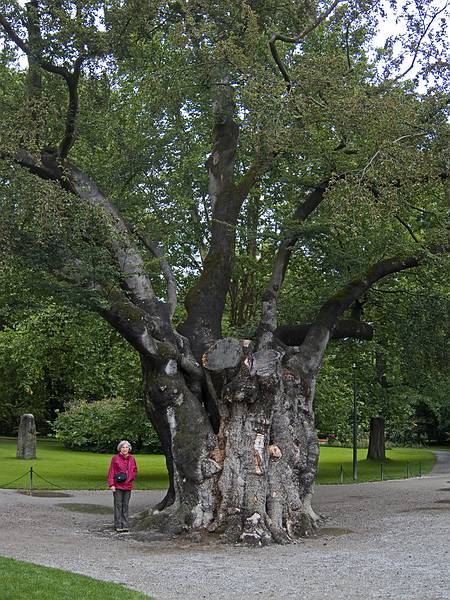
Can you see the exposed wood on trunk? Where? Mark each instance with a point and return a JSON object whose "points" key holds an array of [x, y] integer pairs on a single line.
{"points": [[267, 448], [187, 439]]}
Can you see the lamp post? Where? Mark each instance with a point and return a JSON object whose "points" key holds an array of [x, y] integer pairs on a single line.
{"points": [[355, 427]]}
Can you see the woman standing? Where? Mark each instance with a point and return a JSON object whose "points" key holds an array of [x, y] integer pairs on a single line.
{"points": [[122, 472]]}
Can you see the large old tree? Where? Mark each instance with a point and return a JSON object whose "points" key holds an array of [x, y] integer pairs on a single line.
{"points": [[220, 150]]}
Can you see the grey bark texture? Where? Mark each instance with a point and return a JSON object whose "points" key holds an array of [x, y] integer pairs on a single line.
{"points": [[26, 438], [251, 479]]}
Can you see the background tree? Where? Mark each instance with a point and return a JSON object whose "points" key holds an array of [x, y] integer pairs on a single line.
{"points": [[309, 138], [53, 355]]}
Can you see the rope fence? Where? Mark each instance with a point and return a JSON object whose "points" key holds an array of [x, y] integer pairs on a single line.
{"points": [[409, 472], [31, 473], [6, 485]]}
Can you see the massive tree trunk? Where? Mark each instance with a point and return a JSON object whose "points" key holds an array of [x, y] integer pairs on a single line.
{"points": [[251, 480]]}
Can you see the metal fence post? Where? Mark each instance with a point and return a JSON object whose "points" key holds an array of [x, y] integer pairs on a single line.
{"points": [[341, 476], [355, 426], [420, 469], [30, 484], [382, 471]]}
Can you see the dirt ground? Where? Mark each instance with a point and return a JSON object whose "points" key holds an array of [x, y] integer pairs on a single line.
{"points": [[388, 540]]}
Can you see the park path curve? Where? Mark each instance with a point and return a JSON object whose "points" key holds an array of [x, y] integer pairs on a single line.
{"points": [[442, 464], [386, 541]]}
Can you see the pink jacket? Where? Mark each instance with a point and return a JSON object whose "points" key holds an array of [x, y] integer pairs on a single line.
{"points": [[119, 465]]}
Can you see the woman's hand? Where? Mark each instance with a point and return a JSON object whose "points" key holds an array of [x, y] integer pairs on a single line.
{"points": [[113, 488]]}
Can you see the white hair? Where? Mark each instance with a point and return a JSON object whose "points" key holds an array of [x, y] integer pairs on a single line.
{"points": [[122, 443]]}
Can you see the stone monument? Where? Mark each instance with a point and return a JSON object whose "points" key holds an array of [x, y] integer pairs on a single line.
{"points": [[26, 438]]}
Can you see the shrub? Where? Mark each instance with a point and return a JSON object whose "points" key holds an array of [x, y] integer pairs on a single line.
{"points": [[99, 425]]}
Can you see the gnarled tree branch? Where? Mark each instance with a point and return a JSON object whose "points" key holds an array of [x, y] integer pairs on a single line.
{"points": [[294, 335], [72, 109], [127, 257], [135, 325], [205, 301], [318, 335]]}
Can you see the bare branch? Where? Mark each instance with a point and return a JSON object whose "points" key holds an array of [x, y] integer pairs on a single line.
{"points": [[29, 162], [205, 301], [260, 166], [408, 228], [279, 62], [126, 255], [335, 306], [72, 110], [303, 211], [132, 323], [311, 351]]}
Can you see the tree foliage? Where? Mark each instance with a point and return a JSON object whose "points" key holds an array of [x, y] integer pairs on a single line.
{"points": [[100, 424], [51, 355]]}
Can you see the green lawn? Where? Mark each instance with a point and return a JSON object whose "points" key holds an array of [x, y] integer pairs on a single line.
{"points": [[73, 470], [20, 580], [395, 466], [69, 469]]}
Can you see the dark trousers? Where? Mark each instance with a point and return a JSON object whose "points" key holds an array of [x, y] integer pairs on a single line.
{"points": [[121, 502]]}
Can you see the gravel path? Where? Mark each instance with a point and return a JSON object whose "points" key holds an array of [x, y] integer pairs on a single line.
{"points": [[387, 540], [442, 464]]}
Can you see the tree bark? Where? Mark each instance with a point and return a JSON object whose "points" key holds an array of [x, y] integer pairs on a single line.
{"points": [[252, 481], [377, 448]]}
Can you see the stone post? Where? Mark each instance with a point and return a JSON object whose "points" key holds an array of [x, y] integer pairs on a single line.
{"points": [[26, 439]]}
